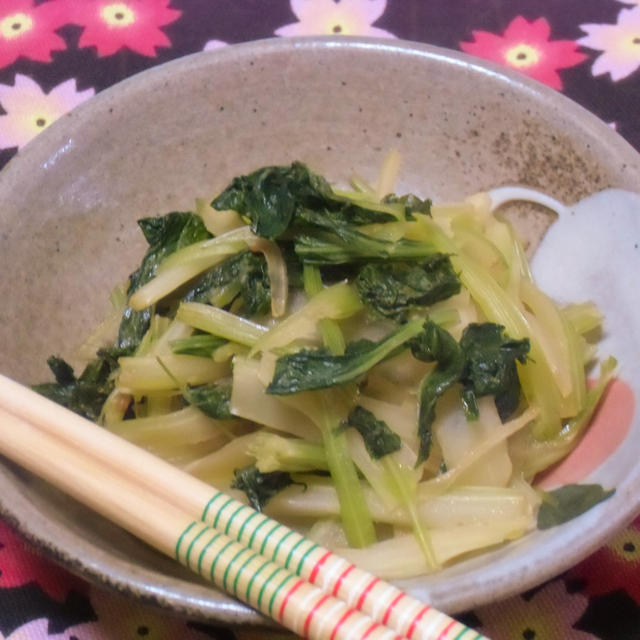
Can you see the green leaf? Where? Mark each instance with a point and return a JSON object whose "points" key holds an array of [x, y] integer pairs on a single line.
{"points": [[62, 370], [245, 275], [133, 326], [412, 204], [211, 399], [484, 362], [568, 502], [201, 344], [434, 344], [378, 438], [85, 394], [490, 358], [394, 288], [165, 234], [260, 487], [342, 243], [310, 369], [273, 197]]}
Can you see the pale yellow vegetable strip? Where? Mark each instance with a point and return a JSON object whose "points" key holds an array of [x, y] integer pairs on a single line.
{"points": [[368, 200], [250, 401], [168, 280], [230, 242], [332, 336], [563, 352], [218, 222], [441, 483], [583, 317], [218, 466], [354, 513], [407, 493], [144, 374], [458, 507], [276, 271], [187, 425], [388, 174], [322, 305], [220, 323], [400, 556]]}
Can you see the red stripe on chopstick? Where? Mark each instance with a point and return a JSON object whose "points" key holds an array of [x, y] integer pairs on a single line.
{"points": [[343, 575], [375, 625], [316, 606], [445, 631], [291, 591], [394, 602], [417, 619], [316, 568], [346, 615], [363, 595]]}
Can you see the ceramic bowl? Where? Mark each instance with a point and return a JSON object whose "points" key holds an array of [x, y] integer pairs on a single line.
{"points": [[69, 201]]}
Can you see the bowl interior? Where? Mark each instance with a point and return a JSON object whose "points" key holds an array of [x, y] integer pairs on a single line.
{"points": [[70, 199]]}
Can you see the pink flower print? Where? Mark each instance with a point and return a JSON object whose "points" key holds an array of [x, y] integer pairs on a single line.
{"points": [[111, 25], [120, 618], [28, 31], [550, 613], [211, 45], [21, 565], [526, 47], [35, 630], [30, 110], [614, 566], [344, 17], [619, 43]]}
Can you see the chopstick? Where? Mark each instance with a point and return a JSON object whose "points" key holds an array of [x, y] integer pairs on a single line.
{"points": [[72, 435], [262, 584]]}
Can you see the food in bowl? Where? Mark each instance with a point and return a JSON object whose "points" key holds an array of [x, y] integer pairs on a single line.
{"points": [[377, 370]]}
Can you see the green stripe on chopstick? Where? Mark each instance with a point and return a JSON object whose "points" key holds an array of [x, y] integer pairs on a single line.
{"points": [[253, 577], [266, 582], [230, 565], [181, 538], [220, 510], [293, 549], [217, 558], [259, 535], [187, 558], [242, 507], [240, 570], [279, 544], [204, 550], [312, 548], [255, 531], [266, 539], [246, 522], [288, 577], [210, 504]]}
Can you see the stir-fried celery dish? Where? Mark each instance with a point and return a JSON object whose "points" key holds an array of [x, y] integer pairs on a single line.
{"points": [[376, 370]]}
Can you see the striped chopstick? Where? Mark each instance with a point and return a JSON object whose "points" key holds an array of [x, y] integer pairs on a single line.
{"points": [[334, 576], [264, 585]]}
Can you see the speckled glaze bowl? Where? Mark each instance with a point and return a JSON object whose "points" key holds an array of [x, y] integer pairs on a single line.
{"points": [[70, 199]]}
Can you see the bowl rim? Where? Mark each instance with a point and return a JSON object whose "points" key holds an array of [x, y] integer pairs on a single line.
{"points": [[144, 584]]}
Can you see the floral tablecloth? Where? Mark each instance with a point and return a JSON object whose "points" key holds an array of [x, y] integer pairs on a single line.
{"points": [[55, 54]]}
